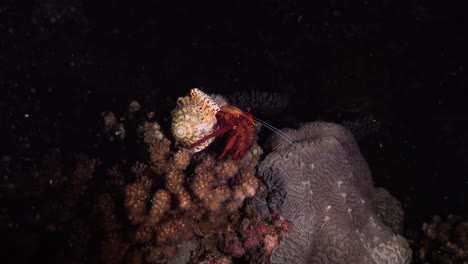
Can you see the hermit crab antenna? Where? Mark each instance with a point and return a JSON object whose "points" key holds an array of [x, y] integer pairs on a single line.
{"points": [[277, 131]]}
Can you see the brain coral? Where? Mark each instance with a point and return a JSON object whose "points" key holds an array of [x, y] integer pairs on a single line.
{"points": [[324, 187]]}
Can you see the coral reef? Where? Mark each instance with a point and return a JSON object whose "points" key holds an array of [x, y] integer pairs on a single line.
{"points": [[250, 238], [166, 204], [112, 128], [147, 202], [74, 184], [150, 203], [324, 187], [444, 241]]}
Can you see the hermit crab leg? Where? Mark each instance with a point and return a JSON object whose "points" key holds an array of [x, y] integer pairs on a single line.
{"points": [[229, 146], [215, 133]]}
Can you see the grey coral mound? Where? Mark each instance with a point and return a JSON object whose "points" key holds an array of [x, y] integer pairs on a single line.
{"points": [[324, 186]]}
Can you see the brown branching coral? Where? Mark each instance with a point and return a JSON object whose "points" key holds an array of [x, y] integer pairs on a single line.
{"points": [[136, 198], [225, 183], [112, 249], [159, 147], [445, 241], [174, 184], [113, 129], [115, 179], [182, 159], [105, 207], [74, 185], [184, 201], [145, 208], [250, 238], [160, 204]]}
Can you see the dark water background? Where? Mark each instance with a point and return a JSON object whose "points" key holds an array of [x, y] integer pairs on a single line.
{"points": [[403, 63]]}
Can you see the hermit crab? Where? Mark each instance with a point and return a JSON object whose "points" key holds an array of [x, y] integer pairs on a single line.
{"points": [[198, 119]]}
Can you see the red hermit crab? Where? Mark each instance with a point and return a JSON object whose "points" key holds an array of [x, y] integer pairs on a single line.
{"points": [[198, 119]]}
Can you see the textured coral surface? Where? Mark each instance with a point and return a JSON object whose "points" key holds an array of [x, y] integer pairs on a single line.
{"points": [[324, 187]]}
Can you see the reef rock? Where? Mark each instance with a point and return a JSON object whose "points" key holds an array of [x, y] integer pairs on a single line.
{"points": [[324, 187]]}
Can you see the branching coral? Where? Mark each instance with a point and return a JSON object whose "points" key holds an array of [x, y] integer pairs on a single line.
{"points": [[211, 183], [179, 201], [148, 201], [175, 197], [74, 184], [445, 241], [249, 237]]}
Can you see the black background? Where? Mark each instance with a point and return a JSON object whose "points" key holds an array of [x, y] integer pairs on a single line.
{"points": [[62, 63]]}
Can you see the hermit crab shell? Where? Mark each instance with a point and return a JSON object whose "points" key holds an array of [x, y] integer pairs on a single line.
{"points": [[193, 118]]}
